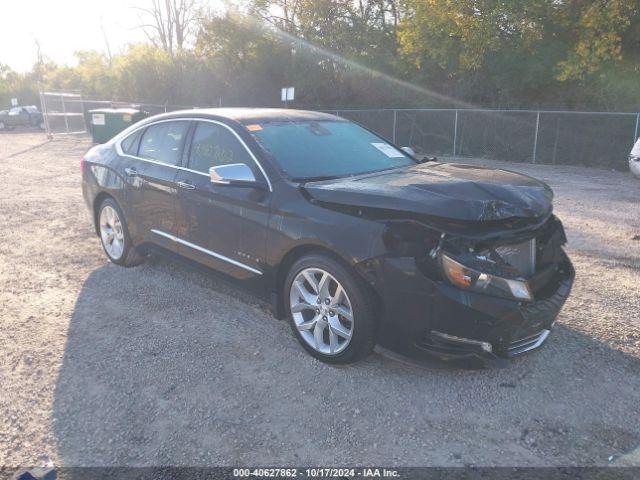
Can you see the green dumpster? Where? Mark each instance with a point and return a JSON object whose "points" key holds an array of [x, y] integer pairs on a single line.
{"points": [[106, 123]]}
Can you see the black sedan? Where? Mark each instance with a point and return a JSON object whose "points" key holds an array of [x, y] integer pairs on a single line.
{"points": [[351, 238], [21, 116]]}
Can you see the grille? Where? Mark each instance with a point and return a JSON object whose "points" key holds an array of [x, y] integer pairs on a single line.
{"points": [[521, 256], [527, 343]]}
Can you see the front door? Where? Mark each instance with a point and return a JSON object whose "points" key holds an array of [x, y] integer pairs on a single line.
{"points": [[222, 226]]}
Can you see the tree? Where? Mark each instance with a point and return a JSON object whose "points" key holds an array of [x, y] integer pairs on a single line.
{"points": [[527, 52], [23, 86], [598, 29], [557, 54], [458, 35], [169, 23], [361, 28]]}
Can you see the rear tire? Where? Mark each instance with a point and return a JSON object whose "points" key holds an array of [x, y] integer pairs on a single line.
{"points": [[114, 235], [330, 309]]}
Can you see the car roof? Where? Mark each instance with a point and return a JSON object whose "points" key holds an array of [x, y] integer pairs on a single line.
{"points": [[254, 115]]}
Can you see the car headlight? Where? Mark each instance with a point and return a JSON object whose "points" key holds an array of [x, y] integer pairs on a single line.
{"points": [[470, 279]]}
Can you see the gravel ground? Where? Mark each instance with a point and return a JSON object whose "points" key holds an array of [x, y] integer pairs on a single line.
{"points": [[163, 365]]}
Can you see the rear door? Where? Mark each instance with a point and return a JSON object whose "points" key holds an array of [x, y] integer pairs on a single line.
{"points": [[222, 226], [151, 175]]}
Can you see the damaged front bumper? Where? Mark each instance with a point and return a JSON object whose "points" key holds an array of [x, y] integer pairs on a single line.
{"points": [[426, 316]]}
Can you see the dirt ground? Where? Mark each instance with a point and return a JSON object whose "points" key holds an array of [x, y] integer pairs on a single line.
{"points": [[162, 365]]}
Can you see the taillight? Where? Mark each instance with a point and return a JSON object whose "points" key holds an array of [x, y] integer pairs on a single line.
{"points": [[82, 165]]}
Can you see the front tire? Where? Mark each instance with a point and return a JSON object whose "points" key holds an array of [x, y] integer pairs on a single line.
{"points": [[114, 235], [331, 311]]}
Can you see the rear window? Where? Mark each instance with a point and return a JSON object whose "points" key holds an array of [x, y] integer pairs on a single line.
{"points": [[307, 150], [130, 144], [163, 142]]}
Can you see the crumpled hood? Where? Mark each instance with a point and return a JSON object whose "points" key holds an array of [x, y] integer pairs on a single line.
{"points": [[461, 192]]}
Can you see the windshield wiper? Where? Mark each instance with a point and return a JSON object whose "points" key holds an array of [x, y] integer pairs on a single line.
{"points": [[319, 178]]}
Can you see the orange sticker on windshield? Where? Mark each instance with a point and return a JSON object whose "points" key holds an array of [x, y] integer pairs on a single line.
{"points": [[254, 128]]}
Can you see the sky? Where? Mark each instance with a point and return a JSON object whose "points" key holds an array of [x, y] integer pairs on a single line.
{"points": [[64, 26]]}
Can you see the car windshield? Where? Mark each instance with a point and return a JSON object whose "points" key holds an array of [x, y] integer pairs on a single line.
{"points": [[326, 149]]}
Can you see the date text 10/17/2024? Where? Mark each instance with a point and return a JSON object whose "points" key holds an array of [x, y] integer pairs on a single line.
{"points": [[315, 472]]}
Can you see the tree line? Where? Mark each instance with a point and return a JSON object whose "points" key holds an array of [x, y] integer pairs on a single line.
{"points": [[559, 54]]}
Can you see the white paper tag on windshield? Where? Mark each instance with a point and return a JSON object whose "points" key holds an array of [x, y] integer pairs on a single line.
{"points": [[388, 150]]}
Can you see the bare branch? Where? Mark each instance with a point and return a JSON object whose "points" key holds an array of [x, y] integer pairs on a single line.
{"points": [[169, 22]]}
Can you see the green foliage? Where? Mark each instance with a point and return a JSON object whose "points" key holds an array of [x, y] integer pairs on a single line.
{"points": [[596, 30], [521, 53], [459, 35], [526, 52], [17, 85]]}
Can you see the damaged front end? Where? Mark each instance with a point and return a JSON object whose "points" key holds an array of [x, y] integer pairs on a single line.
{"points": [[508, 265], [467, 291], [470, 265]]}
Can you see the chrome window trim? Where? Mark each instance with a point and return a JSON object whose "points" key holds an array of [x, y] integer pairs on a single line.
{"points": [[177, 167], [157, 162], [204, 250]]}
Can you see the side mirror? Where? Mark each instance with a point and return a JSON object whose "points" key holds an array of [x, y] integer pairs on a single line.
{"points": [[234, 174], [410, 151], [419, 157]]}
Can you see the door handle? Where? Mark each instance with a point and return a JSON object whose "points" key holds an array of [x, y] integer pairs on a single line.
{"points": [[186, 185], [132, 172]]}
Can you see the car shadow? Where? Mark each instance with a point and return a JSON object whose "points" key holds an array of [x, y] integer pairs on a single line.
{"points": [[165, 365], [22, 130]]}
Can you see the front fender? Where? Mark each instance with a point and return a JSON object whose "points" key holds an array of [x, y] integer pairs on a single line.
{"points": [[355, 240]]}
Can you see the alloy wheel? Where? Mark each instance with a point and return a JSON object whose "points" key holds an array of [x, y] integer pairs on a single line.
{"points": [[321, 311], [111, 232]]}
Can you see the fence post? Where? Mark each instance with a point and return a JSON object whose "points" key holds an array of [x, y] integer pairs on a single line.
{"points": [[64, 110], [45, 115], [535, 140], [395, 122], [84, 114], [455, 134], [635, 135]]}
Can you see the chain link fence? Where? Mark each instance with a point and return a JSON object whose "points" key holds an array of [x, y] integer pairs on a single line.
{"points": [[593, 139], [63, 112], [68, 112]]}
